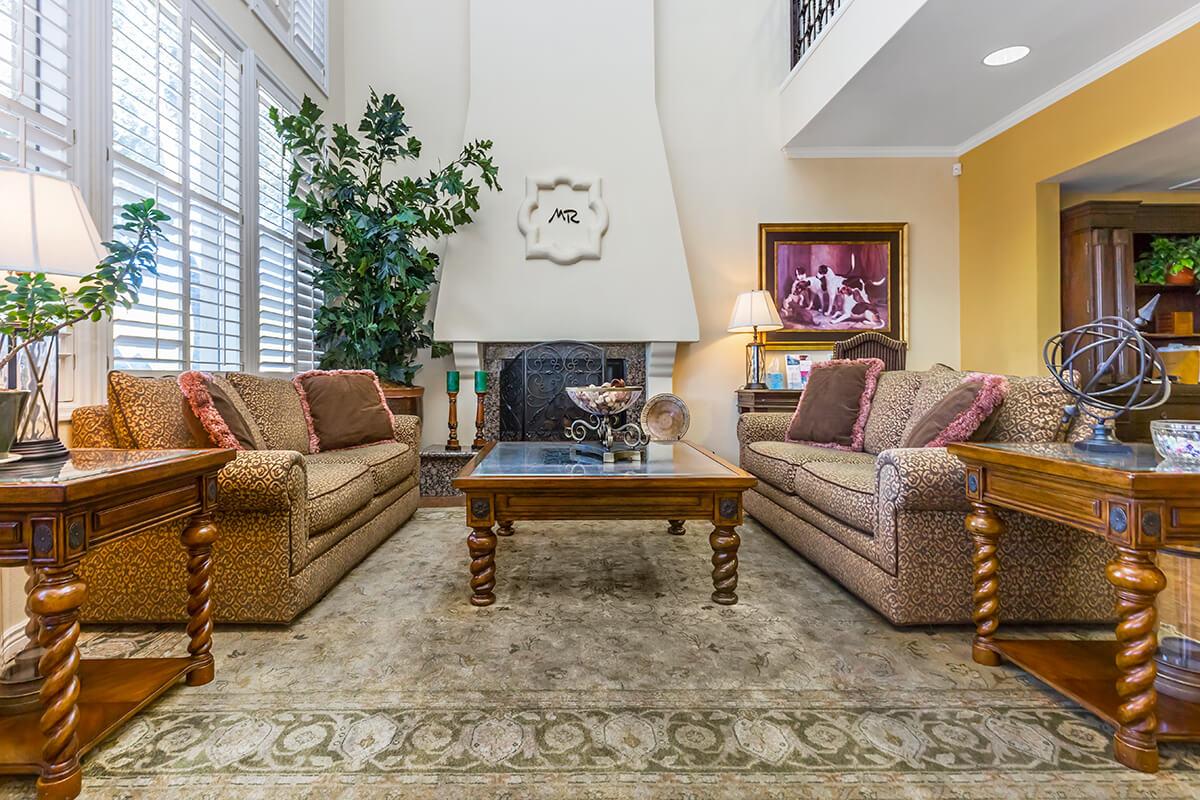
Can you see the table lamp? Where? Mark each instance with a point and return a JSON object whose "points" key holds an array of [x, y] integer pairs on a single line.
{"points": [[44, 227], [754, 312]]}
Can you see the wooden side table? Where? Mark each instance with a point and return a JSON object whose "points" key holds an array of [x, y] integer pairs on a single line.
{"points": [[768, 400], [1136, 507], [51, 516]]}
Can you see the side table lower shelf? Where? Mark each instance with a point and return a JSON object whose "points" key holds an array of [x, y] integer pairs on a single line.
{"points": [[111, 691], [1086, 672]]}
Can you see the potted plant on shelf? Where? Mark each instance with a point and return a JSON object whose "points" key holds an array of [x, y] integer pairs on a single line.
{"points": [[1170, 260], [374, 264]]}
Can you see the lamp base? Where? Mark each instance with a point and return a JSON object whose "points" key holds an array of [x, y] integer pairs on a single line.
{"points": [[41, 450], [755, 386]]}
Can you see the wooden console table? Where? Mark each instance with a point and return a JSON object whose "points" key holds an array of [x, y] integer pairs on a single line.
{"points": [[51, 515], [1137, 508]]}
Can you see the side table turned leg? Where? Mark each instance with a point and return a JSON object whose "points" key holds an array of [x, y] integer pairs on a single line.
{"points": [[985, 528], [1138, 581], [481, 543], [198, 538], [724, 542], [55, 599]]}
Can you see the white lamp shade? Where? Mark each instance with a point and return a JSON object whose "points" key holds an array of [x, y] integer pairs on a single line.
{"points": [[754, 311], [44, 225]]}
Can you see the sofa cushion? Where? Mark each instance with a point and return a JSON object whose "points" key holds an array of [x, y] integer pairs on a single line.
{"points": [[343, 408], [274, 405], [844, 491], [836, 402], [335, 491], [968, 413], [218, 412], [891, 408], [389, 462], [1031, 412], [148, 413], [777, 462]]}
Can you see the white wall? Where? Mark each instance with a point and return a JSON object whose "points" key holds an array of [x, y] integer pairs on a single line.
{"points": [[719, 68]]}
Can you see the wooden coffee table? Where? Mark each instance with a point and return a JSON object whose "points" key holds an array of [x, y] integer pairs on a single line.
{"points": [[674, 481]]}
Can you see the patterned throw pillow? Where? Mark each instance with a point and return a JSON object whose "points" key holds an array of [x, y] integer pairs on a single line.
{"points": [[834, 408], [343, 408], [220, 412], [967, 412], [148, 413], [274, 406]]}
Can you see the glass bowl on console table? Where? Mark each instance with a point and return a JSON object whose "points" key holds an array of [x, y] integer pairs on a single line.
{"points": [[1177, 441], [604, 404]]}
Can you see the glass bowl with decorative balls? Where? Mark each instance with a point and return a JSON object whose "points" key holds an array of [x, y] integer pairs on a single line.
{"points": [[604, 404], [1177, 440]]}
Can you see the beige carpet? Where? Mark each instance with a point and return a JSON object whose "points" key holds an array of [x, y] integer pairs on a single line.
{"points": [[603, 671]]}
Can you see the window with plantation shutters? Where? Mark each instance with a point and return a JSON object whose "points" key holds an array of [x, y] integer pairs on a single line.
{"points": [[302, 27], [277, 275], [35, 84], [176, 137]]}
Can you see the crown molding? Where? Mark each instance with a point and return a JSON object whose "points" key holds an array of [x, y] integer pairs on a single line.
{"points": [[870, 152], [1137, 47]]}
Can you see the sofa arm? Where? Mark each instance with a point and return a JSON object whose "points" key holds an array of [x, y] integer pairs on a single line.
{"points": [[407, 430], [921, 479], [262, 480], [762, 426], [91, 426]]}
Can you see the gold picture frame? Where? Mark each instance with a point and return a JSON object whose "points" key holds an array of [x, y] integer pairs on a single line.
{"points": [[824, 303]]}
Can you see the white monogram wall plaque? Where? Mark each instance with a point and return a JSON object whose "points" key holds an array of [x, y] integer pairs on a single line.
{"points": [[563, 217]]}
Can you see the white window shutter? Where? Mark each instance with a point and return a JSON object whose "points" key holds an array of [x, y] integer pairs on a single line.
{"points": [[36, 86]]}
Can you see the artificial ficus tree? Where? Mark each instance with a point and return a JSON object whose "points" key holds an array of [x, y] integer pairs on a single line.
{"points": [[375, 267]]}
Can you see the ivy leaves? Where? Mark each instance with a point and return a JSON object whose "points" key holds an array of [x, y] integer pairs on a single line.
{"points": [[376, 268], [32, 307]]}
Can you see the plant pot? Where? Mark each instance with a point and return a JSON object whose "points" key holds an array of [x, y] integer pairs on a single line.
{"points": [[404, 399], [12, 408], [1182, 278]]}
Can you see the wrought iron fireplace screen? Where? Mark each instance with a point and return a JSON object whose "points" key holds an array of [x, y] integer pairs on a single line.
{"points": [[533, 402]]}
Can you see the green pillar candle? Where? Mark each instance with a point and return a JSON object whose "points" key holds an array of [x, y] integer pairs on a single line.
{"points": [[480, 381], [452, 381]]}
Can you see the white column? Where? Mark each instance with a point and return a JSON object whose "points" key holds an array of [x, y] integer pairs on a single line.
{"points": [[660, 368], [468, 357]]}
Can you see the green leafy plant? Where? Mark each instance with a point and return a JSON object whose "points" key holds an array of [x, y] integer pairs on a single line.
{"points": [[375, 267], [33, 308], [1168, 255]]}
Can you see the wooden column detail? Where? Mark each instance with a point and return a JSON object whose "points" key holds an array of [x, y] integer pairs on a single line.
{"points": [[198, 538], [985, 528], [56, 600]]}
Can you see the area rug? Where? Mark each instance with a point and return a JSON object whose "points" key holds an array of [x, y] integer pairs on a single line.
{"points": [[603, 671]]}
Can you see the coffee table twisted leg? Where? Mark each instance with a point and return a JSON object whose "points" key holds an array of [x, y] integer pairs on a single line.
{"points": [[1137, 580], [724, 541], [505, 528], [56, 599], [985, 528], [675, 527], [481, 543], [198, 538]]}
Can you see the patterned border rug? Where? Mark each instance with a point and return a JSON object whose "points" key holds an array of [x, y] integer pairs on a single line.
{"points": [[603, 671]]}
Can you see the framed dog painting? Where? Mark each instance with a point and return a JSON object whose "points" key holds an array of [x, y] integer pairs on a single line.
{"points": [[832, 281]]}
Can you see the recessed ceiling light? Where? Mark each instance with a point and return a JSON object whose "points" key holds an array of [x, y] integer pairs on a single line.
{"points": [[1006, 55]]}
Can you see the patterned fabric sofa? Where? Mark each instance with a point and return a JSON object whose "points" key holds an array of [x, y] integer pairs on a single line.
{"points": [[291, 523], [887, 523]]}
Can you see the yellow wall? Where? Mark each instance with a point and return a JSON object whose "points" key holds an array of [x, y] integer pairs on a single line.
{"points": [[1008, 215]]}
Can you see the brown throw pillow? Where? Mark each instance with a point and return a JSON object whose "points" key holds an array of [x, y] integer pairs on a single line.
{"points": [[147, 413], [835, 405], [967, 412], [219, 412], [344, 408]]}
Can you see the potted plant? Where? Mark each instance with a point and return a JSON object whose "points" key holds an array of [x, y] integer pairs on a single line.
{"points": [[1170, 260], [374, 263], [34, 310]]}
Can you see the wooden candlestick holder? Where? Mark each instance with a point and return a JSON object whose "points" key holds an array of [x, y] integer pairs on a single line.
{"points": [[479, 440], [452, 442]]}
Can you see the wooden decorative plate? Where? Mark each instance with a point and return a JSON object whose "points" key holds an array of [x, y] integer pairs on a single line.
{"points": [[665, 418]]}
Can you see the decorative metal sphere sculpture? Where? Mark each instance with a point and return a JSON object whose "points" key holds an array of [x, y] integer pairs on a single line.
{"points": [[1107, 339]]}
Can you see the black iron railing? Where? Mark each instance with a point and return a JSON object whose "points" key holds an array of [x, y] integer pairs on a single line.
{"points": [[809, 18]]}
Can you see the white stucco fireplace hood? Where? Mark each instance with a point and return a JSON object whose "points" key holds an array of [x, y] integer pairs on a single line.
{"points": [[584, 242]]}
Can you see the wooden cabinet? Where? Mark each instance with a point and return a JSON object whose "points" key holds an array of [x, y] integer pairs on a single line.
{"points": [[768, 400]]}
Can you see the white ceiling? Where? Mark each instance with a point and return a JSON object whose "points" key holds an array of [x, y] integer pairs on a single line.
{"points": [[928, 88], [1152, 165]]}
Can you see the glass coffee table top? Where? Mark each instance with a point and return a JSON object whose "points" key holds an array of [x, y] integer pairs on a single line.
{"points": [[1139, 457], [84, 464], [554, 459]]}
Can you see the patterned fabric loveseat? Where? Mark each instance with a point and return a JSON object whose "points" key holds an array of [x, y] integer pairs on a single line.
{"points": [[887, 523], [291, 523]]}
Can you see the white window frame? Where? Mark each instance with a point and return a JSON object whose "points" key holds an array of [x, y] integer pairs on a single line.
{"points": [[284, 30]]}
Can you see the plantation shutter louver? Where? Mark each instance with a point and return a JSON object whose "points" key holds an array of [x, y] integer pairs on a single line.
{"points": [[176, 138], [277, 289], [35, 85]]}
